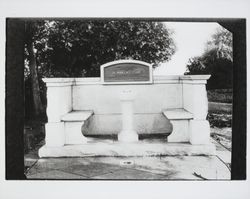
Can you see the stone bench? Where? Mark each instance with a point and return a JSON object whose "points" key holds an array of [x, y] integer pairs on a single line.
{"points": [[73, 122], [160, 104], [186, 128], [180, 119]]}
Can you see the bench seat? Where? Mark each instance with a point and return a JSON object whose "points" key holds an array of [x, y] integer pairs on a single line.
{"points": [[73, 122], [180, 119], [178, 114], [77, 116]]}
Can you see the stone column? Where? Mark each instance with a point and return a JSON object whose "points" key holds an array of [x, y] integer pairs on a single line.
{"points": [[128, 134], [195, 101], [59, 102]]}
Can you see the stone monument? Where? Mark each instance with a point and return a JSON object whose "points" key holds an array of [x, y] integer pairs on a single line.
{"points": [[127, 102]]}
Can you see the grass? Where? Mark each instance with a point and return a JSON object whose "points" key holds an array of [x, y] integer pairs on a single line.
{"points": [[219, 120], [220, 95], [220, 115]]}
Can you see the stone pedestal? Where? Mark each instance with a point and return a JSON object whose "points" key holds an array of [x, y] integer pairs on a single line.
{"points": [[195, 101], [180, 131], [128, 134], [199, 132], [179, 119], [54, 134], [73, 133], [59, 102]]}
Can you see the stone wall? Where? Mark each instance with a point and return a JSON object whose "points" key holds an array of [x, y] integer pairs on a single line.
{"points": [[165, 93]]}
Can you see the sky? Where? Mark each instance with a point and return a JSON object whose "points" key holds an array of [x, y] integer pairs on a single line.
{"points": [[190, 39]]}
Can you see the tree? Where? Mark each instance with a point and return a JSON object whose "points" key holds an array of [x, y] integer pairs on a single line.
{"points": [[31, 30], [221, 45], [217, 60], [77, 48]]}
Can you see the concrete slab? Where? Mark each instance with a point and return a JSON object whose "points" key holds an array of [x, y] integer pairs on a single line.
{"points": [[222, 153], [140, 168], [130, 174], [55, 174], [140, 148], [44, 165], [91, 169], [175, 167]]}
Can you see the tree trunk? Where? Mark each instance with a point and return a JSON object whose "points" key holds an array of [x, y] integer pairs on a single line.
{"points": [[38, 107]]}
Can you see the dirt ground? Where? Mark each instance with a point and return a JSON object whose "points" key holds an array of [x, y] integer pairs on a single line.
{"points": [[220, 119]]}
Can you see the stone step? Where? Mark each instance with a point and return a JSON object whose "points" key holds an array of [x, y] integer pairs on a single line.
{"points": [[97, 147]]}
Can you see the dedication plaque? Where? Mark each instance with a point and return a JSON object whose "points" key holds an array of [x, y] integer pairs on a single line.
{"points": [[126, 72]]}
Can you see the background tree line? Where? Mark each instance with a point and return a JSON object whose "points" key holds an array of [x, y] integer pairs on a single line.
{"points": [[216, 60], [77, 48]]}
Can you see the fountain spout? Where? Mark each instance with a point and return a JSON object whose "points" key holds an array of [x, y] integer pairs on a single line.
{"points": [[128, 134]]}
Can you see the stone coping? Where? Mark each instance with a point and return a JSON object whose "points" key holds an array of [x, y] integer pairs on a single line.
{"points": [[125, 61], [168, 79], [195, 77]]}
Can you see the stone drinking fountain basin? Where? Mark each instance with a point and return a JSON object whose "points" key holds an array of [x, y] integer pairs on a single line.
{"points": [[127, 103]]}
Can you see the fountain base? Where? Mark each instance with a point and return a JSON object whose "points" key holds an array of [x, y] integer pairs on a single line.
{"points": [[128, 136], [98, 147]]}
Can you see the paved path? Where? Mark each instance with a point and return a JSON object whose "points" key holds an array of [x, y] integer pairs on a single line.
{"points": [[141, 168], [128, 168], [132, 168]]}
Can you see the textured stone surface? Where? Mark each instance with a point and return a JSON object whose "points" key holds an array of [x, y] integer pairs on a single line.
{"points": [[54, 136], [199, 132], [169, 92], [141, 148], [73, 133], [130, 174], [104, 99], [143, 168], [91, 169], [195, 100], [110, 124], [180, 131], [59, 99]]}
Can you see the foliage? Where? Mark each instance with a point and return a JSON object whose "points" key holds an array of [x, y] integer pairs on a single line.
{"points": [[221, 45], [217, 60], [78, 48], [36, 32], [220, 120], [220, 95]]}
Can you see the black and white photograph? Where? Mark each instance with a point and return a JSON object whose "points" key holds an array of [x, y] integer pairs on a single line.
{"points": [[124, 99], [127, 99]]}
